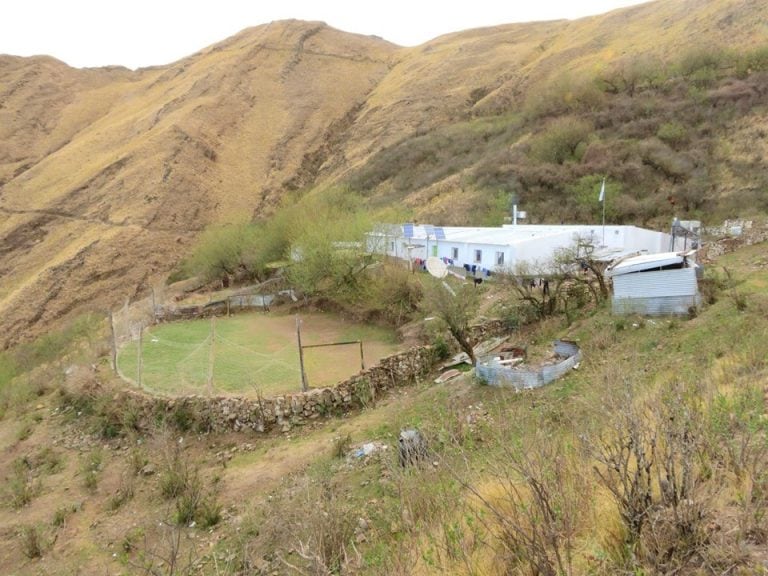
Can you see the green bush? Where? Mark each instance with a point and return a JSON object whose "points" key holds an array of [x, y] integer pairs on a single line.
{"points": [[364, 392], [175, 476], [752, 61], [673, 133], [90, 469], [54, 344], [582, 197], [561, 140], [33, 542], [183, 418], [632, 74], [392, 293], [702, 65], [440, 348], [21, 487], [426, 158], [239, 251], [563, 95], [209, 512], [61, 515]]}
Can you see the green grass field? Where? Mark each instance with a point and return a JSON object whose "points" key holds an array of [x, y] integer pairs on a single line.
{"points": [[252, 353]]}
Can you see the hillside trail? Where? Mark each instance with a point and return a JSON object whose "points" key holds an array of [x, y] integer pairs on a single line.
{"points": [[86, 219], [264, 469]]}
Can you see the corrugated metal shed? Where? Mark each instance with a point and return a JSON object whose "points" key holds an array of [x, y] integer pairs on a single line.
{"points": [[641, 287]]}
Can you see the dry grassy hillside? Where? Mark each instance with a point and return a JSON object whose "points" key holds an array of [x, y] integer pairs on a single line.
{"points": [[149, 158], [107, 175]]}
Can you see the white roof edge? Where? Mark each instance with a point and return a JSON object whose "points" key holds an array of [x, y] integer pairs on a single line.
{"points": [[645, 262]]}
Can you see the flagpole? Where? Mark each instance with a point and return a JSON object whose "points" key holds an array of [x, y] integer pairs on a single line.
{"points": [[602, 198]]}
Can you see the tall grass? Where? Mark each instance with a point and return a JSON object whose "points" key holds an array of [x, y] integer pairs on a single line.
{"points": [[31, 369]]}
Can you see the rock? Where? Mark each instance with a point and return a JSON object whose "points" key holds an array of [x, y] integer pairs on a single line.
{"points": [[147, 470], [412, 446]]}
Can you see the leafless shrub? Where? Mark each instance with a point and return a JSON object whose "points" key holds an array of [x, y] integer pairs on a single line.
{"points": [[535, 512], [123, 494], [166, 554], [624, 453], [738, 442], [738, 298], [325, 543], [678, 522], [176, 473], [655, 459]]}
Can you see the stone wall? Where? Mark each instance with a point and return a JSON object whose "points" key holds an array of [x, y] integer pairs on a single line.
{"points": [[719, 240], [281, 413], [487, 330]]}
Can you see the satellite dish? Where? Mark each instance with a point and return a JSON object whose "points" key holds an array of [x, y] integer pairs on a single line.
{"points": [[437, 267]]}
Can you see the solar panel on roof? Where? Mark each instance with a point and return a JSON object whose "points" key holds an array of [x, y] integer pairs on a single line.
{"points": [[408, 230], [439, 233], [429, 229]]}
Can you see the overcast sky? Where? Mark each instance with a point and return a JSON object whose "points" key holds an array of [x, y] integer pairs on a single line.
{"points": [[137, 33]]}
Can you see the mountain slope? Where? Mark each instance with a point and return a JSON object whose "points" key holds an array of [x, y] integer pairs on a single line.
{"points": [[107, 175], [214, 136]]}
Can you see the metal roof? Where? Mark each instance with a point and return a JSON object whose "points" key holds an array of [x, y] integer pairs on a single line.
{"points": [[506, 236], [645, 262]]}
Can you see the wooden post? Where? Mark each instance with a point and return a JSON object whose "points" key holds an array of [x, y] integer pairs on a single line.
{"points": [[227, 306], [362, 358], [112, 342], [211, 355], [304, 383]]}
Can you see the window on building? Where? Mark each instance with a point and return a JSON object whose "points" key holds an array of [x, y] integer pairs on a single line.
{"points": [[499, 258], [478, 256], [392, 246], [455, 253]]}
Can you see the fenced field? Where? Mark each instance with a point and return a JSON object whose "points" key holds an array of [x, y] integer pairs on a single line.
{"points": [[249, 354]]}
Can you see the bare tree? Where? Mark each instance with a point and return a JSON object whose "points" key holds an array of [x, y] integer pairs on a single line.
{"points": [[457, 309], [538, 285], [577, 264]]}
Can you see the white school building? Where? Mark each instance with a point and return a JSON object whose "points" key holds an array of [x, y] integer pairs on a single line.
{"points": [[488, 249]]}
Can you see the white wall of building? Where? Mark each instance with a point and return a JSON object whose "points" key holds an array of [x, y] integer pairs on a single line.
{"points": [[523, 243]]}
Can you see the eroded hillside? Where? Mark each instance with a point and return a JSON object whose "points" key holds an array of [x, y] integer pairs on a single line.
{"points": [[118, 176], [107, 175]]}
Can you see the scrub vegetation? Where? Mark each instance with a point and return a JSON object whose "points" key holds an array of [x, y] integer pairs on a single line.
{"points": [[663, 132], [650, 458]]}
